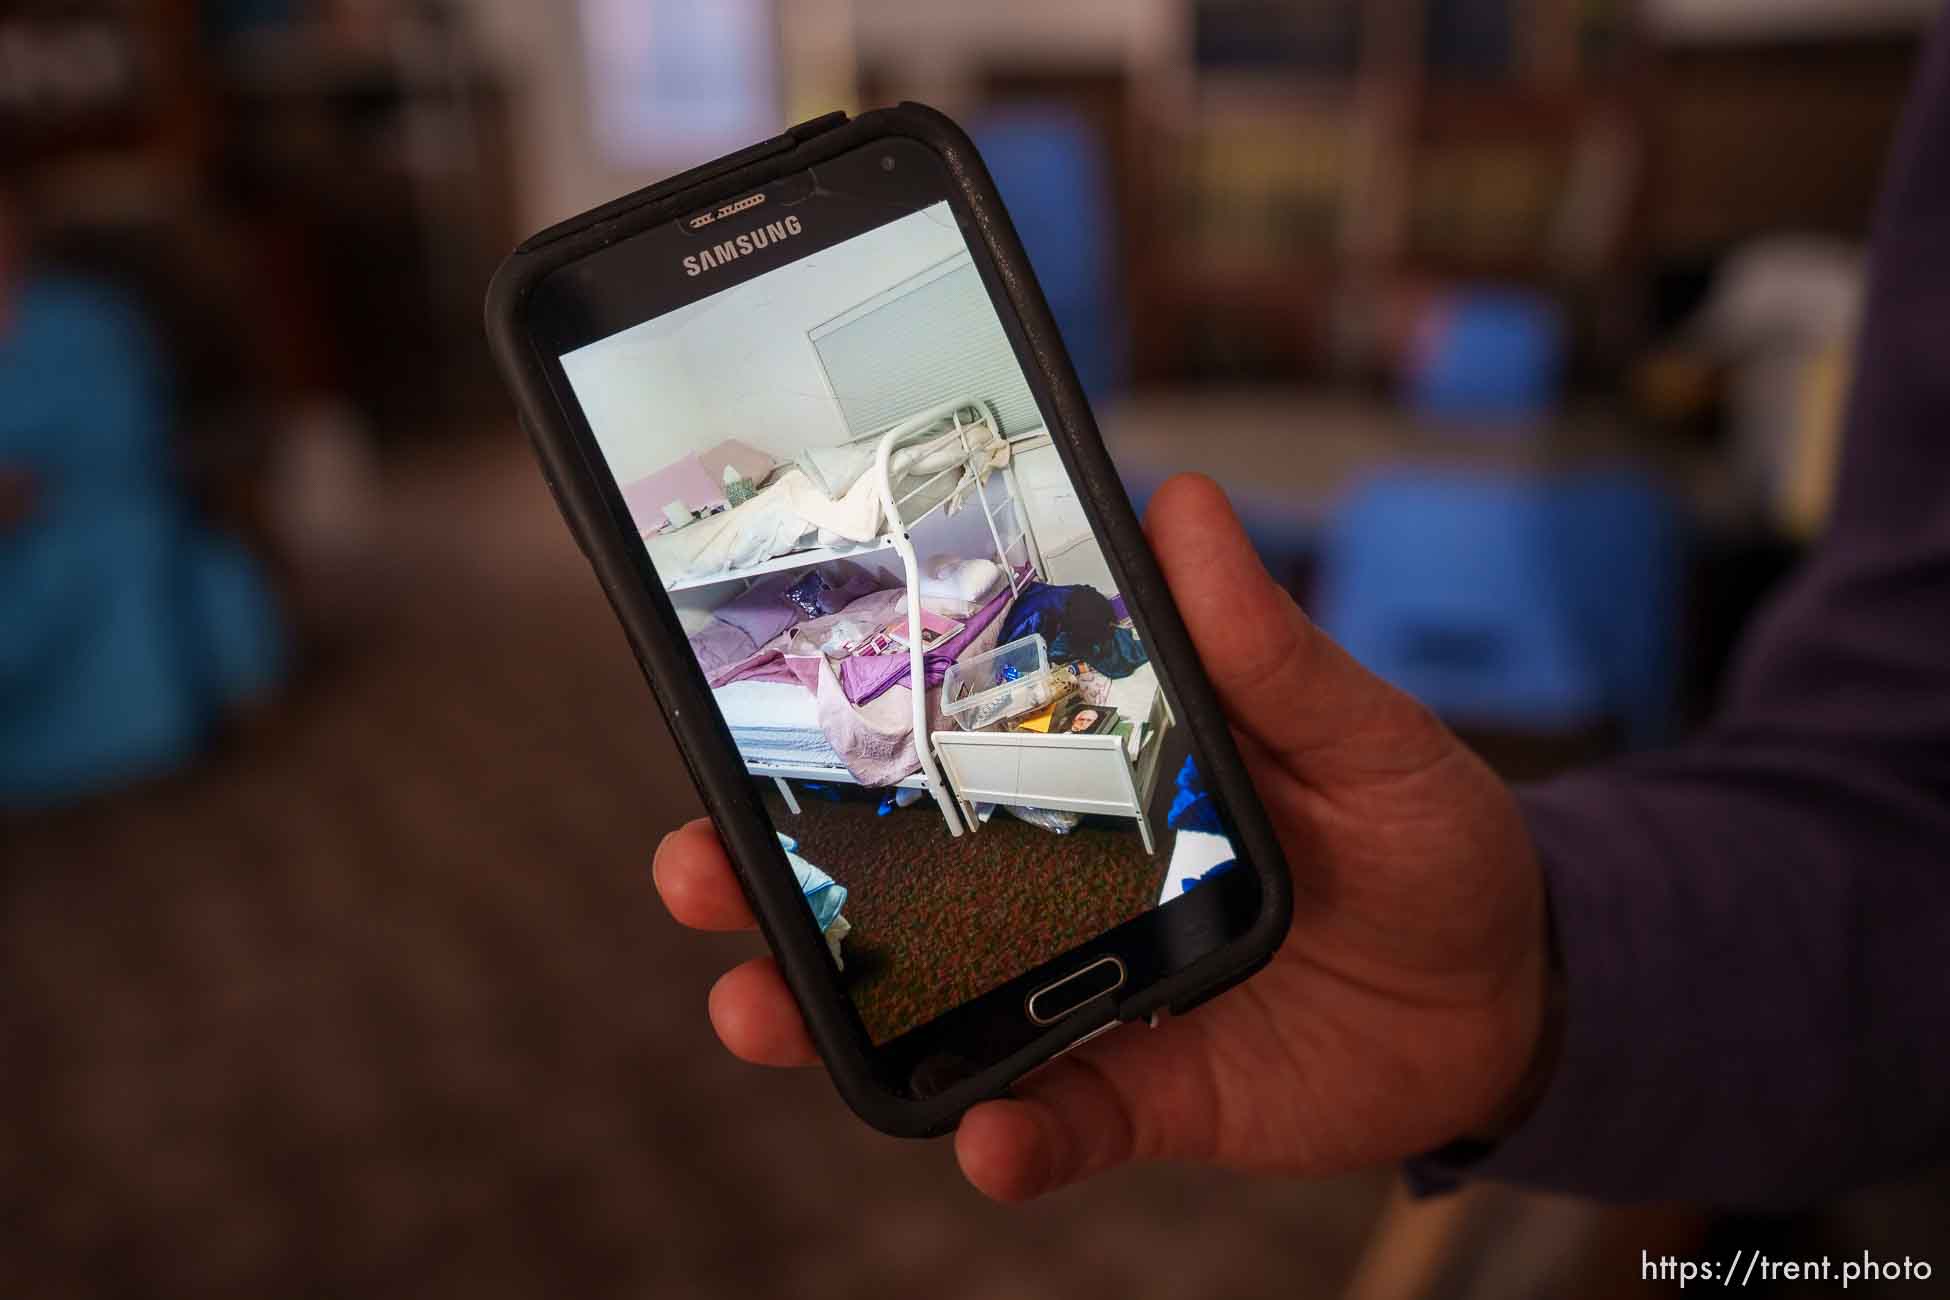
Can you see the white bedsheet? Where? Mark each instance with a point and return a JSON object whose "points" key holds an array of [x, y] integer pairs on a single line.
{"points": [[777, 720], [771, 706], [799, 751]]}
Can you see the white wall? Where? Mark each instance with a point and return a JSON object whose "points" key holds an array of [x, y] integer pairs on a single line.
{"points": [[639, 400], [1071, 553], [738, 364]]}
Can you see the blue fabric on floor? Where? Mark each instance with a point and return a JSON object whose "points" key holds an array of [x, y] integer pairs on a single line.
{"points": [[824, 895], [1212, 872], [1192, 808]]}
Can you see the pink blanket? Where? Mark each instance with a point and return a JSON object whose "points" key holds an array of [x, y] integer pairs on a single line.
{"points": [[875, 739]]}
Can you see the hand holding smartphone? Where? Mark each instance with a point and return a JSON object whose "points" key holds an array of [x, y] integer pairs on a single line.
{"points": [[811, 389]]}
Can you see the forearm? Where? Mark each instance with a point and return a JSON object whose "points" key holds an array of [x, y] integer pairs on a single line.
{"points": [[1753, 945]]}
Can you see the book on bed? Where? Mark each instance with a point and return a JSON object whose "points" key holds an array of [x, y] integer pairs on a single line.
{"points": [[892, 639]]}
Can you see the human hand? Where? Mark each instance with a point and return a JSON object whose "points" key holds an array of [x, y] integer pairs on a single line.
{"points": [[1402, 1011]]}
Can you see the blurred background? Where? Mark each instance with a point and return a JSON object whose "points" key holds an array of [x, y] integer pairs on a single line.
{"points": [[328, 960]]}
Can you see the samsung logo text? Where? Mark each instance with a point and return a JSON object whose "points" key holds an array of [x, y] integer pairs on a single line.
{"points": [[751, 241]]}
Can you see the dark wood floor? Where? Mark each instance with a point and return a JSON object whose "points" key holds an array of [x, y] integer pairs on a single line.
{"points": [[377, 1001]]}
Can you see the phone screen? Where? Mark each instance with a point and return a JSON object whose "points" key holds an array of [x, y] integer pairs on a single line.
{"points": [[889, 581]]}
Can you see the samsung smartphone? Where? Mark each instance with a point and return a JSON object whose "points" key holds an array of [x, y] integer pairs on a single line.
{"points": [[809, 417]]}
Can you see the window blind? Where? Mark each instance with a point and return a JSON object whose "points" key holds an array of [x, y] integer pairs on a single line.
{"points": [[928, 340]]}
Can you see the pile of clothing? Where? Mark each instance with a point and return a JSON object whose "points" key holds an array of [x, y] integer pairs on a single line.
{"points": [[1079, 625]]}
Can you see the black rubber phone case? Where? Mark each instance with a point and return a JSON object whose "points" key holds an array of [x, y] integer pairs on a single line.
{"points": [[596, 516]]}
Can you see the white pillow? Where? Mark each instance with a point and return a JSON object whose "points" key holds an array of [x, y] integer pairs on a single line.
{"points": [[971, 580], [834, 470]]}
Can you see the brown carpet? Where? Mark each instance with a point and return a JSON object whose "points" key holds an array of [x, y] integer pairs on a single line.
{"points": [[938, 920], [377, 1001]]}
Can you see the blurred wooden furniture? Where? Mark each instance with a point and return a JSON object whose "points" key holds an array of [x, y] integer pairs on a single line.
{"points": [[1324, 164], [101, 77], [1287, 455], [379, 181]]}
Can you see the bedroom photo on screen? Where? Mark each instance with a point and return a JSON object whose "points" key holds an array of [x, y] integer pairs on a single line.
{"points": [[842, 479]]}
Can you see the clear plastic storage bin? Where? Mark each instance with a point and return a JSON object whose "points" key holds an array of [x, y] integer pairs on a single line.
{"points": [[1004, 683]]}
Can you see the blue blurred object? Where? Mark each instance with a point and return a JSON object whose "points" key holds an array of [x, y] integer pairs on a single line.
{"points": [[127, 627], [1049, 165], [1541, 605], [1192, 808], [225, 20], [1488, 356], [1619, 553], [1209, 874], [1468, 40], [824, 895]]}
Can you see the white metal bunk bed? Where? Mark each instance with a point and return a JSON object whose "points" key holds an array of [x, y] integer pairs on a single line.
{"points": [[957, 416]]}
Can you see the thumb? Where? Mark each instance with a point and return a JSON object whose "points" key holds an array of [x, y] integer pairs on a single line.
{"points": [[1282, 681]]}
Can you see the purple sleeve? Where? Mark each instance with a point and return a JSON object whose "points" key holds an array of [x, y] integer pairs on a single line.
{"points": [[1756, 928]]}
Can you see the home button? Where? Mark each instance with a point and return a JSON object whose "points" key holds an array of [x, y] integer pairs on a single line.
{"points": [[1052, 1002]]}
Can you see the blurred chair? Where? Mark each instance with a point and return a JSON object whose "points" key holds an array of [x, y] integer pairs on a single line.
{"points": [[1049, 165], [1488, 356], [1619, 554], [127, 626], [1536, 605]]}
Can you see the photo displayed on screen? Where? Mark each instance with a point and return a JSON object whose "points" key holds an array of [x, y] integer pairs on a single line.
{"points": [[843, 481]]}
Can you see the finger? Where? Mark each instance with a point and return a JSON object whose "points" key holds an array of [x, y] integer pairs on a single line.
{"points": [[1131, 1095], [1065, 1125], [1007, 1149], [756, 1018], [1333, 717], [696, 881]]}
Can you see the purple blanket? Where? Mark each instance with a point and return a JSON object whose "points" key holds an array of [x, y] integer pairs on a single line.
{"points": [[793, 655], [875, 735], [865, 677]]}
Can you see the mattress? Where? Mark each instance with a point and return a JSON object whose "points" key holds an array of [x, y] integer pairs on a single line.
{"points": [[775, 720], [783, 706]]}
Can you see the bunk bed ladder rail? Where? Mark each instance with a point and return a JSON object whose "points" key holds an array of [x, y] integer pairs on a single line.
{"points": [[916, 655], [1031, 551], [1017, 579]]}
